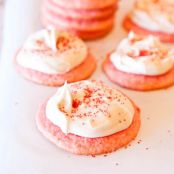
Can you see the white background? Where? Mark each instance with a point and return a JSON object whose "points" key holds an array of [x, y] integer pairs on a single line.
{"points": [[23, 150]]}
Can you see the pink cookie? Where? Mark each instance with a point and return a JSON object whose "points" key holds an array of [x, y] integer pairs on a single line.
{"points": [[83, 25], [88, 19], [129, 25], [83, 31], [87, 146], [81, 72], [137, 82], [86, 35], [52, 7], [85, 4]]}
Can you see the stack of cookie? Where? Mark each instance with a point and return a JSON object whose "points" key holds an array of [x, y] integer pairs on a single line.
{"points": [[88, 19]]}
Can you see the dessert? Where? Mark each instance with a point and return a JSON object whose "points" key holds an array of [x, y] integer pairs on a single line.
{"points": [[89, 118], [88, 19], [51, 57], [154, 17], [141, 63]]}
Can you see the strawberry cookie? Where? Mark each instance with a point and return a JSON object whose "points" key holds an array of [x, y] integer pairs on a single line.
{"points": [[51, 57], [89, 118], [141, 63], [88, 19], [85, 4], [154, 17]]}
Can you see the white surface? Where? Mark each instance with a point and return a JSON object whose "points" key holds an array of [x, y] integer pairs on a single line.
{"points": [[25, 151], [1, 20]]}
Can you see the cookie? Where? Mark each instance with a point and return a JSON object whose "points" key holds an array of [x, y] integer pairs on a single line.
{"points": [[137, 82], [93, 119], [51, 57]]}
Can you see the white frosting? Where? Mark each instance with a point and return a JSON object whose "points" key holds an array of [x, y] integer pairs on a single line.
{"points": [[51, 38], [62, 98], [142, 56], [52, 52], [157, 22], [154, 16], [90, 109]]}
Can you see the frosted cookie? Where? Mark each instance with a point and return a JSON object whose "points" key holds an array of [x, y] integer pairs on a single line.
{"points": [[87, 19], [89, 118], [154, 17], [51, 57], [141, 63]]}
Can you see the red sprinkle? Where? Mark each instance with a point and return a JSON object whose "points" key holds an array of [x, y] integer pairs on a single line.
{"points": [[144, 53], [75, 103], [62, 43], [88, 93]]}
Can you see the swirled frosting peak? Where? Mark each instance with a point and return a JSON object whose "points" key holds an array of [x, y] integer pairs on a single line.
{"points": [[51, 36]]}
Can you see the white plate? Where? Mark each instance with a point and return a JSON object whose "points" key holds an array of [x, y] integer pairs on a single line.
{"points": [[25, 151]]}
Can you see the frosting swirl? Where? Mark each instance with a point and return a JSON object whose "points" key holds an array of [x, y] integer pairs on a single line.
{"points": [[155, 15], [90, 109], [52, 52], [146, 56]]}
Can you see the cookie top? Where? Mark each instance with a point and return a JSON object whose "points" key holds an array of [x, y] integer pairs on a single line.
{"points": [[142, 55], [52, 52], [155, 15], [90, 109]]}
